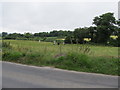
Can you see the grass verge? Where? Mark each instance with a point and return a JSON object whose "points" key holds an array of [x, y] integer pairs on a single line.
{"points": [[71, 60]]}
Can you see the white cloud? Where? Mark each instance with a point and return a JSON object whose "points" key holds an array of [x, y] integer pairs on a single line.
{"points": [[38, 17]]}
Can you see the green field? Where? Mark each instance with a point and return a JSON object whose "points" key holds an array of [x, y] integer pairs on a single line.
{"points": [[86, 58]]}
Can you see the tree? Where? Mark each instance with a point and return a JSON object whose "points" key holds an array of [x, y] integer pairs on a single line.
{"points": [[80, 34], [36, 34], [69, 40], [92, 33], [105, 27], [28, 35], [4, 34]]}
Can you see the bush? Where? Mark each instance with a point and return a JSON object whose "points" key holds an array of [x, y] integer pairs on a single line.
{"points": [[73, 60], [82, 62], [11, 55]]}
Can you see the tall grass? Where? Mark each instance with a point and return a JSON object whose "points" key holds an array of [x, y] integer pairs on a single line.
{"points": [[82, 62], [85, 58]]}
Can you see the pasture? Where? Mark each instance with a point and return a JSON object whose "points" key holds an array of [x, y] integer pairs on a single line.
{"points": [[48, 47], [86, 58]]}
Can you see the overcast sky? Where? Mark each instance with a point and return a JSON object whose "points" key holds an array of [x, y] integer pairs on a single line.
{"points": [[35, 17]]}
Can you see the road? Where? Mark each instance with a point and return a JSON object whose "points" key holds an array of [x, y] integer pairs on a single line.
{"points": [[23, 76]]}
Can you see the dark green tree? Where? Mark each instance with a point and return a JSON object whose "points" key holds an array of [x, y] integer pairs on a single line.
{"points": [[92, 33], [80, 34], [28, 35], [70, 40], [105, 27], [4, 34]]}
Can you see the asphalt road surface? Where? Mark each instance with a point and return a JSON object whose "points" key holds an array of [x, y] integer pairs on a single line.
{"points": [[23, 76]]}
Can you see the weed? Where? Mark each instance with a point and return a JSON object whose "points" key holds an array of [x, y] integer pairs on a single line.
{"points": [[80, 58]]}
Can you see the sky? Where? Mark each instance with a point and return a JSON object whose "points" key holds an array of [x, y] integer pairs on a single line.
{"points": [[34, 17]]}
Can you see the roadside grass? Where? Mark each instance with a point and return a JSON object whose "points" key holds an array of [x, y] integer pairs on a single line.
{"points": [[82, 62], [85, 58]]}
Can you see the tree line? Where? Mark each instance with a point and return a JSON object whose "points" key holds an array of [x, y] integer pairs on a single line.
{"points": [[36, 36], [105, 26]]}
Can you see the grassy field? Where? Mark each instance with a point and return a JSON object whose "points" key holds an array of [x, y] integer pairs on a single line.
{"points": [[86, 58]]}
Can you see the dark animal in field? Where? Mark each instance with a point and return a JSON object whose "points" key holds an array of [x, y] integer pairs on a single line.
{"points": [[58, 43]]}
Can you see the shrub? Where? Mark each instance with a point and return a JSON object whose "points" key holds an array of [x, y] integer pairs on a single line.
{"points": [[6, 45], [73, 60], [83, 62], [11, 55]]}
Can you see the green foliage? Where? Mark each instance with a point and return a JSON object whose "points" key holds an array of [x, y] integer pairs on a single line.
{"points": [[105, 27], [92, 33], [4, 34], [82, 62], [36, 36], [80, 34], [113, 42], [105, 65], [6, 45], [11, 55], [70, 40], [79, 58], [100, 34]]}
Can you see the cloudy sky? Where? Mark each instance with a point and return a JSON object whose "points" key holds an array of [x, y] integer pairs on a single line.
{"points": [[34, 17]]}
